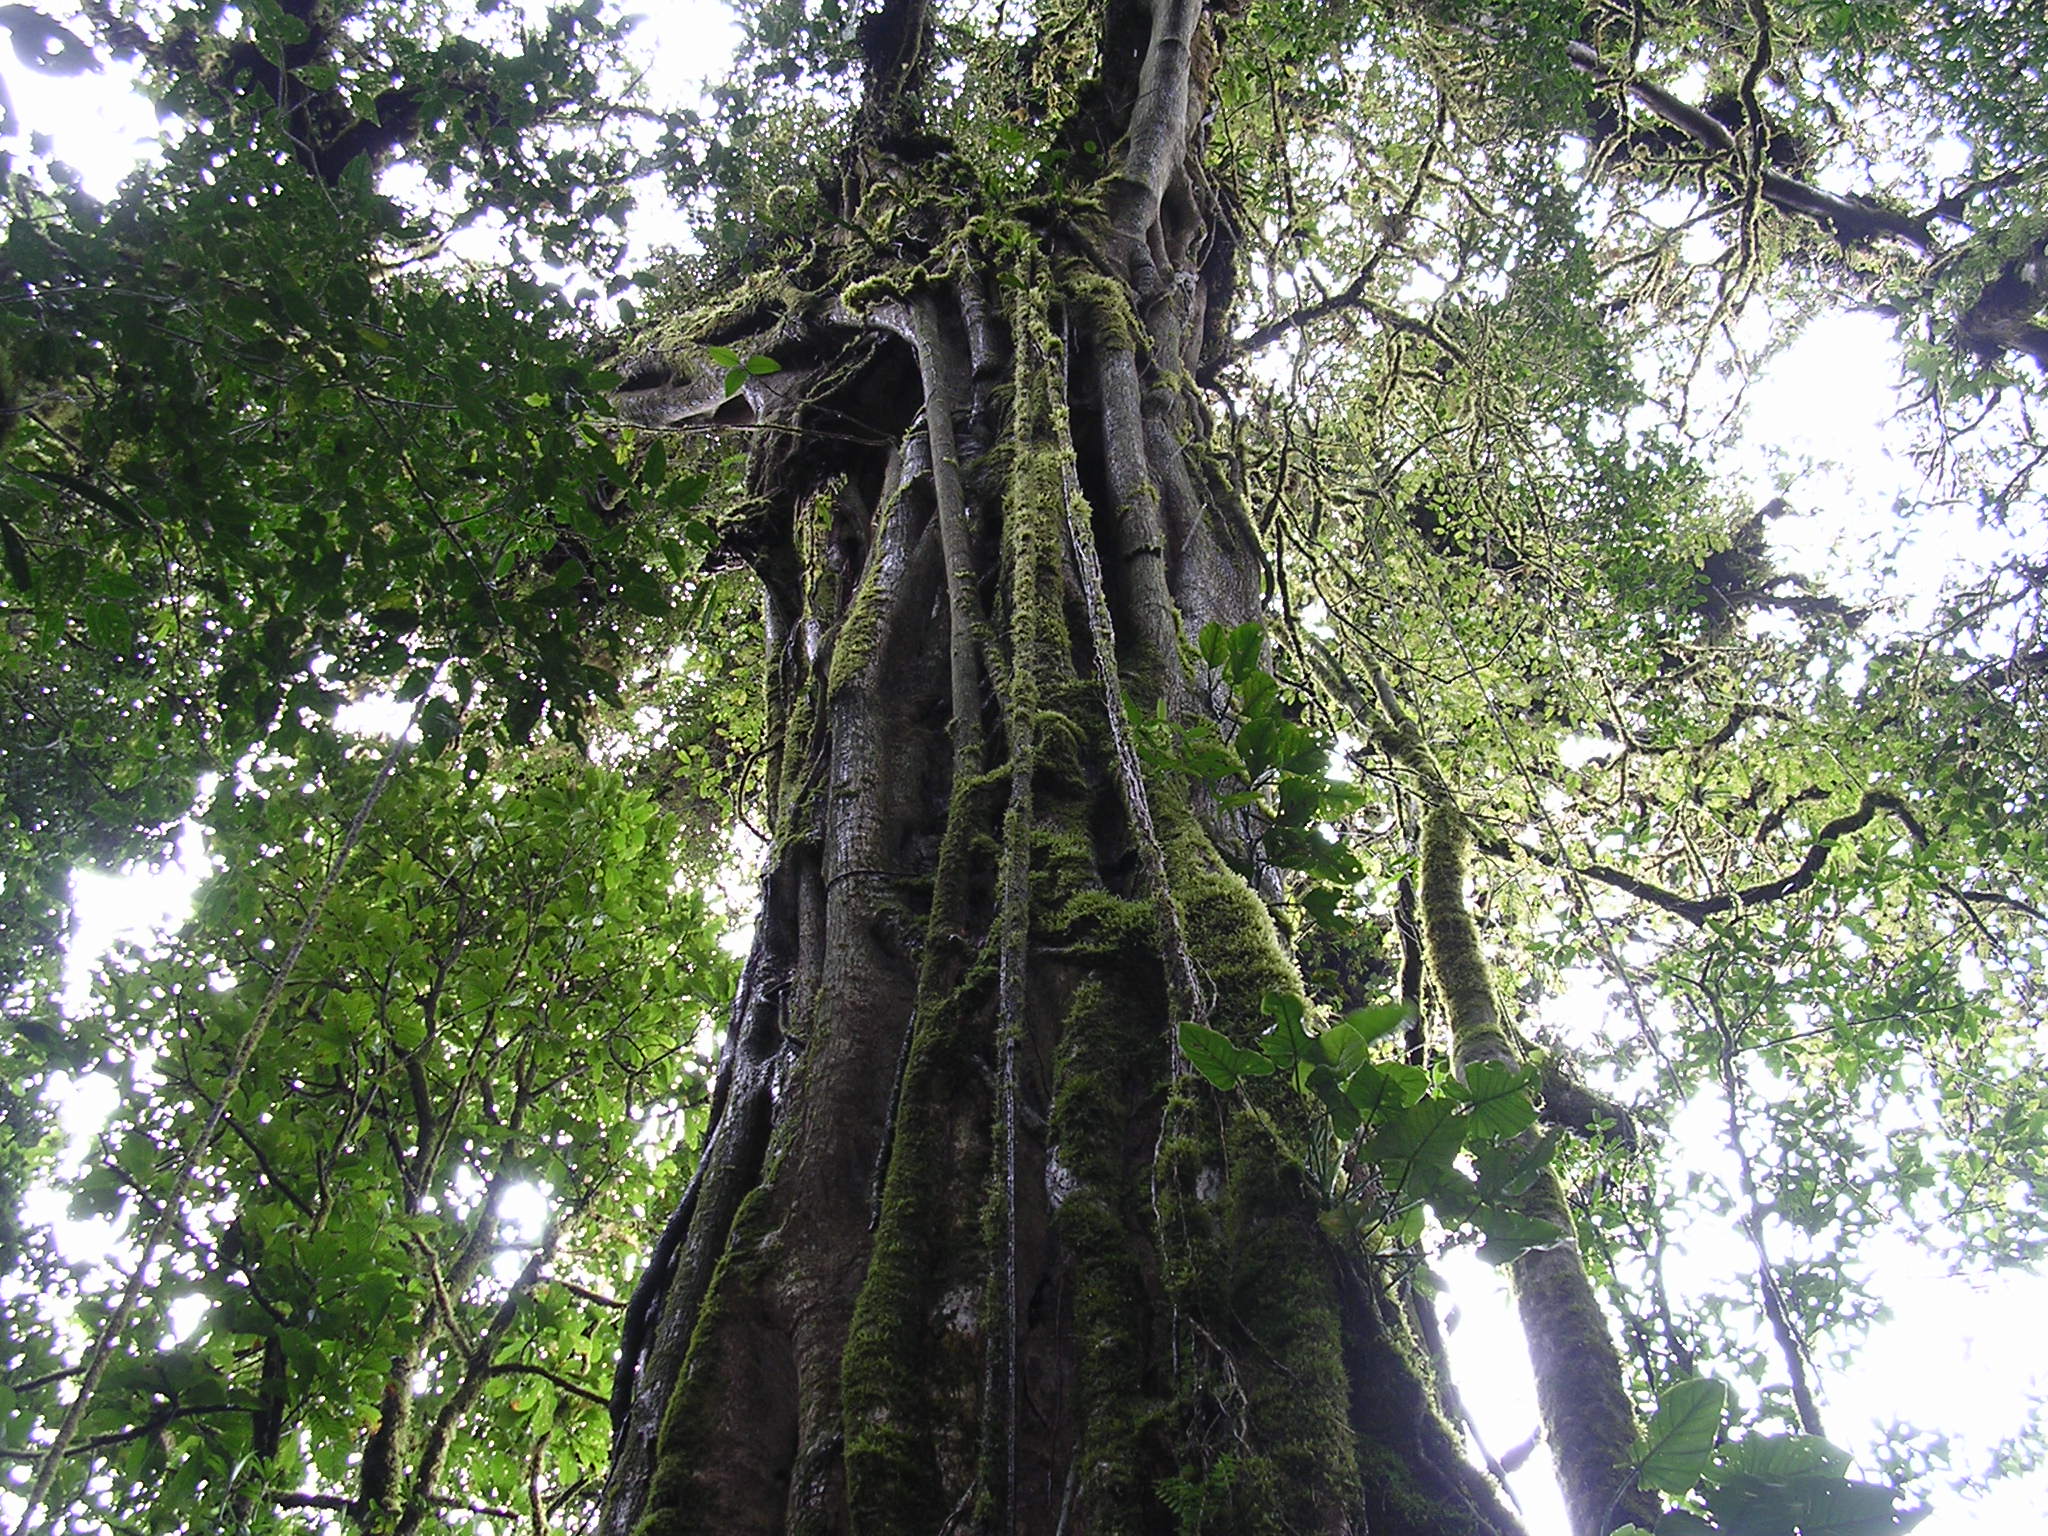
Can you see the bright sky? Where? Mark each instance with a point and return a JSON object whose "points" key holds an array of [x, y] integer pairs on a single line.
{"points": [[1961, 1358]]}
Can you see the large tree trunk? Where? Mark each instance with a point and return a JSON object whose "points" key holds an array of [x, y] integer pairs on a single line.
{"points": [[968, 1248]]}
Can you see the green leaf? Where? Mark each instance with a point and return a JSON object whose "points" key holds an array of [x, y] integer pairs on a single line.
{"points": [[1374, 1093], [115, 505], [1222, 1061], [761, 365], [1511, 1168], [1343, 1048], [725, 357], [1378, 1022], [643, 593], [1244, 644], [688, 490], [1499, 1100], [1288, 1044], [1782, 1456], [1415, 1147], [1381, 1088], [1510, 1234], [1344, 1118], [654, 468], [16, 552], [1679, 1439], [1813, 1504]]}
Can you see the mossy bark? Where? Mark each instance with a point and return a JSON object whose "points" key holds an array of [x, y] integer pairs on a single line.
{"points": [[1587, 1417], [969, 1248]]}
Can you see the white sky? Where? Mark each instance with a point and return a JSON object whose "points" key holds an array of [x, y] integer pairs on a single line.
{"points": [[1956, 1357]]}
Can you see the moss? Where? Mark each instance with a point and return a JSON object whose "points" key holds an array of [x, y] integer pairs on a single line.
{"points": [[1451, 938], [887, 287], [1411, 1463], [1244, 1252], [800, 775], [679, 1502], [853, 644], [897, 1369], [752, 307], [1402, 1501], [1108, 1066], [897, 1375], [1101, 306]]}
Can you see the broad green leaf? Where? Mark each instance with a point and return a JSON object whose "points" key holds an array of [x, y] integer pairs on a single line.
{"points": [[1782, 1456], [1414, 1147], [1223, 1062], [1342, 1048], [1344, 1116], [1510, 1168], [643, 592], [1499, 1100], [1509, 1234], [1679, 1439], [1377, 1022], [1813, 1504], [1243, 646]]}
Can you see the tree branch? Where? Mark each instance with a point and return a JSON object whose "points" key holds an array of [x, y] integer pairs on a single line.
{"points": [[1855, 220], [559, 1383], [1158, 128], [1697, 909]]}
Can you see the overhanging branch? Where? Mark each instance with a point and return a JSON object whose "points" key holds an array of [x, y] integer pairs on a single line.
{"points": [[1697, 909], [1854, 220]]}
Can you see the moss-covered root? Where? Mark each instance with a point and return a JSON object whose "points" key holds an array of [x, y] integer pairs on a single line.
{"points": [[1245, 1258], [1586, 1412], [1416, 1479], [728, 1438]]}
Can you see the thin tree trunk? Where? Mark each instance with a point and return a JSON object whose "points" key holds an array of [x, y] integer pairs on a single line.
{"points": [[1586, 1414]]}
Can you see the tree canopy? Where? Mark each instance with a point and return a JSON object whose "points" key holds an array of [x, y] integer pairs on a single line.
{"points": [[399, 1111]]}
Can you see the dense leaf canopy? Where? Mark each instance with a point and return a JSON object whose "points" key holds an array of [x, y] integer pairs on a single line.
{"points": [[1757, 848]]}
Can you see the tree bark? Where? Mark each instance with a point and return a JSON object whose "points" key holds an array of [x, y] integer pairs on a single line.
{"points": [[968, 1248]]}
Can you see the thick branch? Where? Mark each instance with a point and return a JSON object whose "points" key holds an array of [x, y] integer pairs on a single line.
{"points": [[1158, 129], [1586, 1413], [936, 364], [1697, 909], [1854, 220]]}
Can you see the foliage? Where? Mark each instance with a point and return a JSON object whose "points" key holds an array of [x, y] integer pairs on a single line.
{"points": [[437, 1161], [1395, 1133], [271, 448], [1757, 1485]]}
